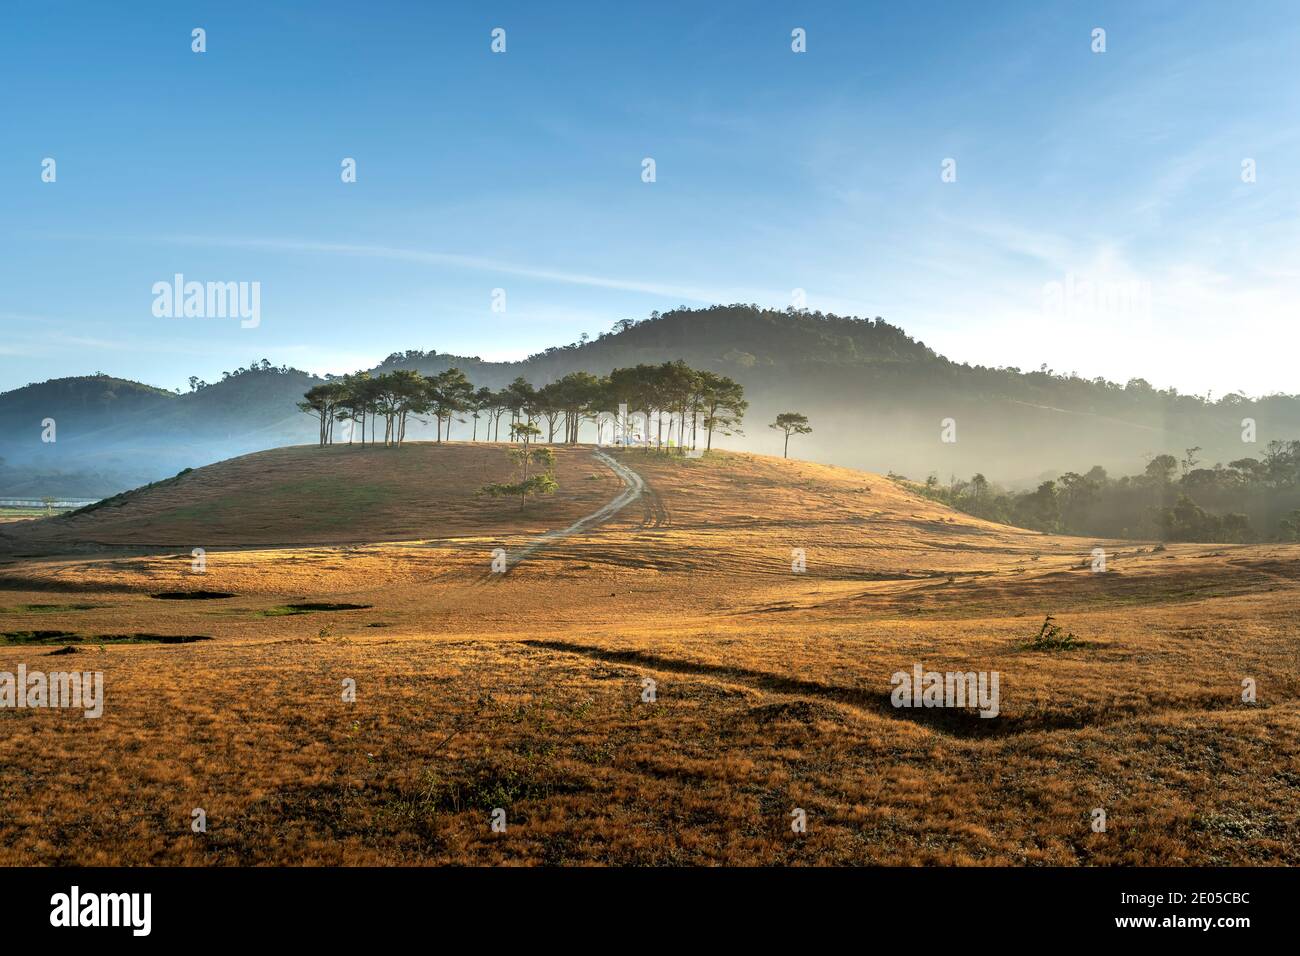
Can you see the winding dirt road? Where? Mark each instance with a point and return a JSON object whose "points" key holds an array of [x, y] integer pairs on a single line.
{"points": [[636, 487]]}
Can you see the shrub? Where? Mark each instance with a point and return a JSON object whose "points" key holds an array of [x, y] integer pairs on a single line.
{"points": [[1051, 638]]}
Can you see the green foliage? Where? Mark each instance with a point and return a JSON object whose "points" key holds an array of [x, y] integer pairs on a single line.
{"points": [[1223, 503], [792, 423], [545, 457], [1050, 637], [1188, 521], [688, 400], [541, 483]]}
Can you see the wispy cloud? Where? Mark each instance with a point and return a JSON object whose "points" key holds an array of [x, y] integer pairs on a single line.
{"points": [[474, 263]]}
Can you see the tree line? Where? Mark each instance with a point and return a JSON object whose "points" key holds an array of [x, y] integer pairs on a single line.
{"points": [[684, 406], [1173, 499]]}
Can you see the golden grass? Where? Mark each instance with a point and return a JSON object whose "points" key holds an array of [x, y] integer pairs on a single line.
{"points": [[477, 691], [310, 495]]}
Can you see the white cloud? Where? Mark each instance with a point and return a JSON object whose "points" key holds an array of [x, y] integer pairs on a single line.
{"points": [[456, 261]]}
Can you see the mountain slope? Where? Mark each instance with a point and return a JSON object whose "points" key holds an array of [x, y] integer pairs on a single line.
{"points": [[875, 396], [310, 495]]}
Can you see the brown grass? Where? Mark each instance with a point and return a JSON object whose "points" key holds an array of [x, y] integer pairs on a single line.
{"points": [[311, 495], [524, 691]]}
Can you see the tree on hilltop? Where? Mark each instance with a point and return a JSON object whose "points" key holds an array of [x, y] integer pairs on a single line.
{"points": [[540, 483], [723, 404], [792, 423]]}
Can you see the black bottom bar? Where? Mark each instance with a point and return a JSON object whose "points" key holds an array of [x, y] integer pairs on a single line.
{"points": [[335, 905]]}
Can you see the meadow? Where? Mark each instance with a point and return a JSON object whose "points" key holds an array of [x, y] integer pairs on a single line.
{"points": [[666, 688]]}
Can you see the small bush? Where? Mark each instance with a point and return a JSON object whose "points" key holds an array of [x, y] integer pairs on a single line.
{"points": [[1051, 638]]}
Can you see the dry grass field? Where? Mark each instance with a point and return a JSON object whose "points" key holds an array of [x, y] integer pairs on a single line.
{"points": [[524, 691]]}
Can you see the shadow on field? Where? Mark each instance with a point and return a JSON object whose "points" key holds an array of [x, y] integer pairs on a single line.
{"points": [[952, 722]]}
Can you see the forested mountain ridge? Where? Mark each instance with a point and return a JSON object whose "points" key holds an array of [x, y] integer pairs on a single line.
{"points": [[876, 398]]}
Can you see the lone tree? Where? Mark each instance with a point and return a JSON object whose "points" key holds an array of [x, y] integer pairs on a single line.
{"points": [[541, 483], [792, 423]]}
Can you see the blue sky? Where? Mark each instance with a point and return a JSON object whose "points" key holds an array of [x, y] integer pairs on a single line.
{"points": [[1098, 223]]}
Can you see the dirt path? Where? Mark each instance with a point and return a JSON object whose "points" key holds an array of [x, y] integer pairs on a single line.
{"points": [[636, 487]]}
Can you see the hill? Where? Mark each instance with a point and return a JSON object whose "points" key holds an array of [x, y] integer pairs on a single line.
{"points": [[661, 688], [876, 398], [332, 495], [727, 516]]}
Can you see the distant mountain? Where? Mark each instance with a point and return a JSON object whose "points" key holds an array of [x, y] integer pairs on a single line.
{"points": [[876, 398]]}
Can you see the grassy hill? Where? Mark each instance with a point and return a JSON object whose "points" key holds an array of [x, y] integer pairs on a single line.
{"points": [[311, 495], [525, 691], [876, 398], [339, 494]]}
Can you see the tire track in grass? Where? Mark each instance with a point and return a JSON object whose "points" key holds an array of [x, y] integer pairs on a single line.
{"points": [[636, 487]]}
